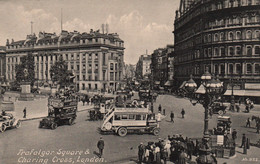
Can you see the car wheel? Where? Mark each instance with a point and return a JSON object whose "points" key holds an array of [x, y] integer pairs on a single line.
{"points": [[122, 132], [70, 121], [3, 128], [220, 112], [156, 131], [53, 126], [18, 124]]}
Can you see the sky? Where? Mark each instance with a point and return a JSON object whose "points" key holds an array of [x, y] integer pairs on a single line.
{"points": [[142, 24]]}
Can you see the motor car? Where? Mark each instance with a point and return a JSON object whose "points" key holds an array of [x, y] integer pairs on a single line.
{"points": [[223, 125], [7, 121], [218, 107]]}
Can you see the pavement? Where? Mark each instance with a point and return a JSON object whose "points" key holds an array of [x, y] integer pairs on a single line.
{"points": [[38, 109]]}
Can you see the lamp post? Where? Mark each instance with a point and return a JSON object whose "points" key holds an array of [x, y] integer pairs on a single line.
{"points": [[213, 89]]}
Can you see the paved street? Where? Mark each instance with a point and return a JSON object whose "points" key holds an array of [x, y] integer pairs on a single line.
{"points": [[83, 136]]}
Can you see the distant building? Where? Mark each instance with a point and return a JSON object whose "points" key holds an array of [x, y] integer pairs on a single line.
{"points": [[2, 63], [143, 66], [162, 66], [223, 36], [95, 58], [130, 71]]}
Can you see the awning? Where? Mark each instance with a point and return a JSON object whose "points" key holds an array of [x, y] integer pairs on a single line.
{"points": [[168, 83], [201, 90], [235, 92], [255, 93], [157, 82]]}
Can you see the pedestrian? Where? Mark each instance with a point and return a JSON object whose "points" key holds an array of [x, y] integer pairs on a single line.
{"points": [[83, 101], [182, 112], [157, 154], [164, 155], [248, 121], [189, 148], [160, 108], [101, 145], [164, 112], [238, 108], [141, 151], [182, 157], [243, 140], [24, 112], [172, 116], [234, 135], [257, 126], [210, 112]]}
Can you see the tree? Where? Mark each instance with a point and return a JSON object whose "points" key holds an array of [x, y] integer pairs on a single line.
{"points": [[25, 70], [60, 73]]}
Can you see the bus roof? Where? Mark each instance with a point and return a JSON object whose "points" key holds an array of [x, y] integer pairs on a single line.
{"points": [[131, 110]]}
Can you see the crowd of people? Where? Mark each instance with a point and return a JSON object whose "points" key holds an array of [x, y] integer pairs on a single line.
{"points": [[175, 149]]}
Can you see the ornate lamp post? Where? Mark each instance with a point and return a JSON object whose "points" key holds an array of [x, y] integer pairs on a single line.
{"points": [[213, 90]]}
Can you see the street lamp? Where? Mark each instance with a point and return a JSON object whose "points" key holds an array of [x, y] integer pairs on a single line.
{"points": [[213, 90]]}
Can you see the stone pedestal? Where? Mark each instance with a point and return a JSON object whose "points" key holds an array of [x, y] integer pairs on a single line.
{"points": [[7, 105], [26, 94]]}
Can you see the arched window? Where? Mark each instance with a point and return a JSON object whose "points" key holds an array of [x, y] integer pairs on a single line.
{"points": [[231, 51], [249, 50], [230, 36], [248, 35], [209, 37], [238, 35], [216, 51], [222, 36], [216, 69], [238, 68], [249, 68], [238, 50], [216, 37], [257, 34], [257, 68]]}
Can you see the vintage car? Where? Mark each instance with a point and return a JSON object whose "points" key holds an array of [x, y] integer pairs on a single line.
{"points": [[7, 120], [218, 107], [223, 125]]}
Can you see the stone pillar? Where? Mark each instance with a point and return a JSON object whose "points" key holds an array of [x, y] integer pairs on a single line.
{"points": [[49, 66], [39, 69], [44, 67]]}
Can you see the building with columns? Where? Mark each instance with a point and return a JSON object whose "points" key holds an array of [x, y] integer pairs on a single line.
{"points": [[2, 63], [222, 35], [95, 58]]}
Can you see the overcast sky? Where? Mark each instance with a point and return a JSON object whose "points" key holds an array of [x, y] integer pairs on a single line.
{"points": [[142, 24]]}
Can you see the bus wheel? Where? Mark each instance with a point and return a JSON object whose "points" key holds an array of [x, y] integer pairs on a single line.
{"points": [[220, 112], [53, 126], [122, 132], [70, 121], [156, 131]]}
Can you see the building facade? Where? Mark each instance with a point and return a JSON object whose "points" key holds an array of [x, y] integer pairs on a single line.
{"points": [[95, 58], [223, 36], [143, 66], [2, 63], [162, 66]]}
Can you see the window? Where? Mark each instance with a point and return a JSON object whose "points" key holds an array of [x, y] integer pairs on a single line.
{"points": [[222, 36], [231, 68], [209, 52], [96, 40], [216, 37], [84, 41], [117, 117], [115, 66], [96, 56], [84, 77], [89, 86], [124, 117], [83, 86], [72, 67], [205, 52], [209, 37], [257, 33], [89, 77], [257, 68], [222, 51], [90, 56], [96, 86], [238, 50], [238, 33], [216, 69], [230, 36], [77, 67], [104, 59], [111, 66], [249, 50], [231, 51], [249, 2], [96, 66], [111, 76], [222, 69], [84, 67], [104, 75], [248, 68], [248, 35], [238, 68], [131, 117], [77, 56], [257, 50], [72, 57], [138, 117]]}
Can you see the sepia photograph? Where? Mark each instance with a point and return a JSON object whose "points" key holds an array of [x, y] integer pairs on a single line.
{"points": [[130, 81]]}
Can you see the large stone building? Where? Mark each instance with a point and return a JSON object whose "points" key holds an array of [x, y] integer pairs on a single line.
{"points": [[162, 66], [2, 63], [143, 66], [223, 35], [95, 58]]}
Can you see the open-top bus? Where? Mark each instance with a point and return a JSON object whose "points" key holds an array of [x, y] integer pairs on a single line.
{"points": [[124, 120]]}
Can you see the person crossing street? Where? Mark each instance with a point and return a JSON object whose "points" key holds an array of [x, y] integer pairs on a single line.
{"points": [[182, 112]]}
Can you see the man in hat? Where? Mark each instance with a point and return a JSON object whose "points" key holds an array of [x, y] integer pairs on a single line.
{"points": [[141, 151], [172, 116], [243, 140], [234, 135], [101, 145]]}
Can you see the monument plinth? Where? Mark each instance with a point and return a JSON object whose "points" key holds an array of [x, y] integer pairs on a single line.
{"points": [[26, 94]]}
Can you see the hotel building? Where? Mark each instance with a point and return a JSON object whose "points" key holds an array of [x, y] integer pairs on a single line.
{"points": [[95, 58]]}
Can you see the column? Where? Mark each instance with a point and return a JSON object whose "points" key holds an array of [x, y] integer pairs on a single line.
{"points": [[35, 67], [100, 62], [49, 60], [44, 67], [39, 67]]}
